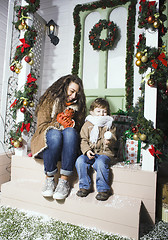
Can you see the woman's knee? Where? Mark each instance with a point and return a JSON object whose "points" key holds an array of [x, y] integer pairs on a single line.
{"points": [[54, 137], [102, 161]]}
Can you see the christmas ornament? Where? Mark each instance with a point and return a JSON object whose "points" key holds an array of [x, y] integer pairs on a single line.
{"points": [[167, 84], [31, 55], [18, 65], [143, 137], [17, 70], [156, 24], [20, 27], [138, 55], [151, 82], [20, 139], [134, 129], [31, 62], [138, 63], [25, 102], [150, 19], [16, 144], [12, 68], [135, 137], [144, 59], [27, 59], [31, 104], [23, 109]]}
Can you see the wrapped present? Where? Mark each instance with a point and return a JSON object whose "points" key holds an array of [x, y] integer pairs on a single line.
{"points": [[122, 123], [133, 151]]}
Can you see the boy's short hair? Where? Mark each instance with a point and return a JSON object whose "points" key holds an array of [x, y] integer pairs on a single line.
{"points": [[102, 103]]}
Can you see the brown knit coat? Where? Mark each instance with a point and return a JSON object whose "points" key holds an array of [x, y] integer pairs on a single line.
{"points": [[46, 119]]}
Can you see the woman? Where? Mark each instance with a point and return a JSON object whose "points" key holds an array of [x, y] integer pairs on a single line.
{"points": [[60, 115]]}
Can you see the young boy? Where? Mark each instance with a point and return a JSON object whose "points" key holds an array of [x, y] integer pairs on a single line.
{"points": [[98, 141]]}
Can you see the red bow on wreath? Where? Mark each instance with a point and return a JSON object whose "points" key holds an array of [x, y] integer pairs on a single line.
{"points": [[153, 152], [25, 126], [160, 58], [23, 45], [30, 78]]}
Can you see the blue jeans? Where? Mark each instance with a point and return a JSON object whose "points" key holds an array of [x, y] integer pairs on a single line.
{"points": [[61, 145], [100, 164]]}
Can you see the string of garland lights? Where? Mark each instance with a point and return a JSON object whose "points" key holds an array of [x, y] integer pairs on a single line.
{"points": [[155, 59], [130, 39], [24, 98]]}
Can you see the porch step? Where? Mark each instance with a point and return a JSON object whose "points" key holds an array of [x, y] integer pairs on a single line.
{"points": [[119, 214], [134, 192]]}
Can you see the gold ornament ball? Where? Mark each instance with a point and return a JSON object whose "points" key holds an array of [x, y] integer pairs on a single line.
{"points": [[20, 27], [31, 62], [138, 63], [143, 137], [31, 55], [17, 70], [167, 84], [25, 103], [144, 59], [135, 137], [16, 144], [139, 55], [25, 26], [20, 139], [18, 65], [31, 104], [156, 24]]}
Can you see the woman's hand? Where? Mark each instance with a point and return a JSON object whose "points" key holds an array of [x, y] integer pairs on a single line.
{"points": [[90, 154]]}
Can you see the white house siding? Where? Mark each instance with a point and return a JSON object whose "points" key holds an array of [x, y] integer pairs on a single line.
{"points": [[3, 25], [58, 59]]}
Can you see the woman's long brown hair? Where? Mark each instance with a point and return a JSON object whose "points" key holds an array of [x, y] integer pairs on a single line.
{"points": [[59, 90]]}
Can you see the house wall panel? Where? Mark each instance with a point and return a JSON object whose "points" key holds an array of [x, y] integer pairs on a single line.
{"points": [[3, 25]]}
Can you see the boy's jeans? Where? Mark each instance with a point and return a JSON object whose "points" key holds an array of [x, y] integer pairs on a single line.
{"points": [[62, 146], [100, 164]]}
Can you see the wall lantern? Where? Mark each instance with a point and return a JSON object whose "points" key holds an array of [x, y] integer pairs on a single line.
{"points": [[52, 29]]}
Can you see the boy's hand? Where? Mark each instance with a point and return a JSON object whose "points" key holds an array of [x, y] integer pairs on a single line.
{"points": [[107, 141], [90, 154]]}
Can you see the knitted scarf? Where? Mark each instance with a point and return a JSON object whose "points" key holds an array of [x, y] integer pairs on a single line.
{"points": [[98, 121]]}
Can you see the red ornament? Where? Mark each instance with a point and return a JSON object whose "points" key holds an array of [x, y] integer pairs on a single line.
{"points": [[32, 1], [23, 109], [134, 129], [27, 59], [150, 19], [12, 68], [166, 92]]}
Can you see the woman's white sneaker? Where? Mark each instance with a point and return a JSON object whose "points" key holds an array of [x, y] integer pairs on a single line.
{"points": [[62, 190], [49, 187]]}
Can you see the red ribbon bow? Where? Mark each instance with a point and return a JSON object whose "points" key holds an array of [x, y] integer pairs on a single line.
{"points": [[14, 103], [23, 45], [30, 78], [160, 58], [153, 152], [25, 126]]}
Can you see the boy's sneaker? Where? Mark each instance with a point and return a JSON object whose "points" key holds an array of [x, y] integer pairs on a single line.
{"points": [[62, 189], [49, 187]]}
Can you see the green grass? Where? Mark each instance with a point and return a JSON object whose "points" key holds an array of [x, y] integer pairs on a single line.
{"points": [[16, 224]]}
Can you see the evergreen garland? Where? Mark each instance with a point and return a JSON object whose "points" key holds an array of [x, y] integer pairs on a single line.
{"points": [[24, 99], [130, 39]]}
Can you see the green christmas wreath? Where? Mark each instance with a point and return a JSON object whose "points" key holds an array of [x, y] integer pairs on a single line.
{"points": [[103, 44]]}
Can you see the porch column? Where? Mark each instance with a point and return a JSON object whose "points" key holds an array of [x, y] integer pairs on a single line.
{"points": [[22, 77], [150, 101]]}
